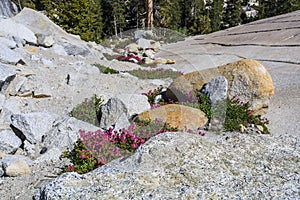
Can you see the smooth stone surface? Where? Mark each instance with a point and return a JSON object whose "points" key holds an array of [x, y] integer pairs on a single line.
{"points": [[176, 116]]}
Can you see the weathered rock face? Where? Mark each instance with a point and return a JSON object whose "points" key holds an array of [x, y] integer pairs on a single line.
{"points": [[16, 165], [184, 85], [251, 82], [114, 114], [184, 166], [176, 116], [8, 27], [34, 126], [65, 133], [6, 76], [9, 142], [247, 79], [135, 103]]}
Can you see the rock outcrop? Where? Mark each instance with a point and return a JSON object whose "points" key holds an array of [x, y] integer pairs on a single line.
{"points": [[247, 79], [186, 166]]}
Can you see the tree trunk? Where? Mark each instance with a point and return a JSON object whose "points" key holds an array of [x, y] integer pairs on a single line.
{"points": [[115, 26], [149, 12]]}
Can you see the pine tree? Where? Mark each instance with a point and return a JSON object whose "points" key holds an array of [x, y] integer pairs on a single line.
{"points": [[167, 14], [114, 16], [198, 18], [135, 17], [269, 8], [119, 15], [80, 17], [216, 12], [232, 13], [149, 14]]}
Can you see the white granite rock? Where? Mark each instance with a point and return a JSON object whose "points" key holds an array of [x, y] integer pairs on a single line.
{"points": [[34, 126], [9, 142], [9, 27]]}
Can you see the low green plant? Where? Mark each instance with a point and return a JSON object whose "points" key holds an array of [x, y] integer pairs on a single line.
{"points": [[82, 160], [205, 104], [155, 74], [239, 113], [88, 110], [109, 57], [106, 70], [151, 94]]}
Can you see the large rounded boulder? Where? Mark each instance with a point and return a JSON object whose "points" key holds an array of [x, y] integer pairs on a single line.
{"points": [[247, 79]]}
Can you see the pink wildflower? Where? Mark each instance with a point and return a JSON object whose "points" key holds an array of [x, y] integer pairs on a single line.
{"points": [[70, 168]]}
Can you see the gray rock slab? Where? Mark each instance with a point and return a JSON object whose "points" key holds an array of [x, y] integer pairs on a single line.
{"points": [[8, 56], [135, 103], [65, 133], [6, 76], [15, 86], [34, 126], [9, 27], [185, 166], [143, 43], [9, 142], [216, 89], [8, 42], [9, 159], [16, 165], [38, 23], [75, 50], [111, 112]]}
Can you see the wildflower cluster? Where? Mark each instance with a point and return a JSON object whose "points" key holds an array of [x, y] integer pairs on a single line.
{"points": [[239, 113], [97, 148], [130, 58], [151, 94], [82, 159]]}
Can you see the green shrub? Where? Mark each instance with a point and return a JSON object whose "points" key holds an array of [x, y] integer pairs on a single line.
{"points": [[106, 70], [88, 110], [205, 105], [82, 160], [239, 113]]}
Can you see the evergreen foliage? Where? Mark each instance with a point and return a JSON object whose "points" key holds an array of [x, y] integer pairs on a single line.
{"points": [[216, 14], [232, 13], [95, 20], [269, 8]]}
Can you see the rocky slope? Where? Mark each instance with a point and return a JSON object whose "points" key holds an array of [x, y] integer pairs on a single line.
{"points": [[45, 72]]}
